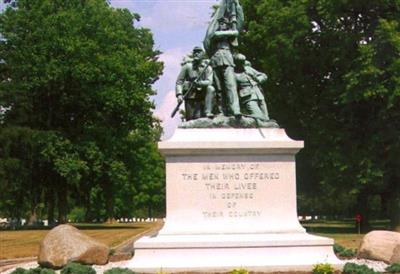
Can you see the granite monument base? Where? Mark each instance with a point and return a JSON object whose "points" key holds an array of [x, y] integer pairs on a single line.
{"points": [[231, 203]]}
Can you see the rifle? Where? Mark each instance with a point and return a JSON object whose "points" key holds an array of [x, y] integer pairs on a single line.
{"points": [[190, 90]]}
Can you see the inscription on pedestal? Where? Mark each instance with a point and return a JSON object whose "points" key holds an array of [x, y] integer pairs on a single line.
{"points": [[230, 189]]}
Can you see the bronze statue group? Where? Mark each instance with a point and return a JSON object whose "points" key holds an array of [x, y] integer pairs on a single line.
{"points": [[219, 80]]}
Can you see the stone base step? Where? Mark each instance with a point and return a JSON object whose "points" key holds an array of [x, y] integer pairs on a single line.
{"points": [[223, 253]]}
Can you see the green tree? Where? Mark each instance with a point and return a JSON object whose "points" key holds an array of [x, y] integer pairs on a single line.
{"points": [[77, 75], [334, 82], [150, 191]]}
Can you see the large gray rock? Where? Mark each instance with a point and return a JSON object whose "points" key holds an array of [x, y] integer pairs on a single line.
{"points": [[65, 243], [381, 245]]}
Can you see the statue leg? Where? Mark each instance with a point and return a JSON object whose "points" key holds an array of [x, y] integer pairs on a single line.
{"points": [[198, 109], [231, 91], [189, 109], [254, 109], [209, 101], [264, 109], [220, 93]]}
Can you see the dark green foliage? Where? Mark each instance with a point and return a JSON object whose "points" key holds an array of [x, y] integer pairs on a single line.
{"points": [[75, 268], [77, 77], [351, 268], [343, 252], [19, 270], [334, 73], [37, 270], [323, 269], [118, 270], [42, 271], [393, 268]]}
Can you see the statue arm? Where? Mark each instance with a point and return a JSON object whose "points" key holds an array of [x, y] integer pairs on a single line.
{"points": [[261, 77], [208, 78], [180, 81], [258, 76], [226, 33]]}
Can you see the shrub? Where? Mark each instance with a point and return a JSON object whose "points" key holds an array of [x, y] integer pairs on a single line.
{"points": [[323, 269], [239, 271], [343, 252], [118, 270], [19, 270], [351, 268], [45, 271], [37, 270], [393, 268], [77, 214], [75, 268]]}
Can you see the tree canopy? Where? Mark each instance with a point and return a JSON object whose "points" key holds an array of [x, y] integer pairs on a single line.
{"points": [[334, 71], [77, 78]]}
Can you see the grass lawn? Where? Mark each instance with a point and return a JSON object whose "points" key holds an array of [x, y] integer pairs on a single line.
{"points": [[351, 241], [25, 243], [343, 232]]}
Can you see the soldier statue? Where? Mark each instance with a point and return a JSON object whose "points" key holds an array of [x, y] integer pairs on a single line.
{"points": [[249, 81], [225, 85], [220, 41], [194, 86]]}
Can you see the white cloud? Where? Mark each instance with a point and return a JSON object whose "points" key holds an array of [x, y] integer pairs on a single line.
{"points": [[164, 111], [172, 59], [165, 99], [169, 16]]}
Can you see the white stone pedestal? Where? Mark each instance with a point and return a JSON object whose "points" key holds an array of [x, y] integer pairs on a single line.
{"points": [[231, 203]]}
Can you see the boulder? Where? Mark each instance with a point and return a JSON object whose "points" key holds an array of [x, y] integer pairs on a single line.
{"points": [[65, 243], [381, 245]]}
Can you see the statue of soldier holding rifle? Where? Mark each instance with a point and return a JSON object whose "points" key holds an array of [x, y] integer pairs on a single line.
{"points": [[194, 87]]}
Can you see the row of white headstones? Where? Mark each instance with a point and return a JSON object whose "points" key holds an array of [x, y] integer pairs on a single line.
{"points": [[140, 220], [121, 220]]}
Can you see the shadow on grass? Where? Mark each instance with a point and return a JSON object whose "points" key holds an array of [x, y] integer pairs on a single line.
{"points": [[331, 229], [341, 227], [105, 227], [88, 226]]}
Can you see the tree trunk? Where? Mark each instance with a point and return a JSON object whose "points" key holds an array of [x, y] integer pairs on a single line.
{"points": [[62, 204], [50, 207], [395, 215], [362, 209], [32, 216], [149, 210], [108, 195], [110, 211], [394, 205], [385, 205], [109, 202], [88, 207]]}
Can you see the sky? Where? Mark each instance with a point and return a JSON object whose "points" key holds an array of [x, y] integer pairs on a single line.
{"points": [[177, 26]]}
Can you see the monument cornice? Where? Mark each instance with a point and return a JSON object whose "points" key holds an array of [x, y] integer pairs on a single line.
{"points": [[230, 141]]}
